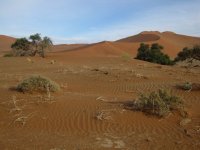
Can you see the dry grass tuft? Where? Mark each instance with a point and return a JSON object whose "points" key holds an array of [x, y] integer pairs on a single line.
{"points": [[126, 57], [103, 115], [8, 55], [16, 107]]}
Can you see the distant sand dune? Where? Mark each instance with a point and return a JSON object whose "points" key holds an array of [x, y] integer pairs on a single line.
{"points": [[141, 38], [5, 43], [172, 42]]}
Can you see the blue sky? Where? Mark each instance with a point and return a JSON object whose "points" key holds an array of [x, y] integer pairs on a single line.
{"points": [[86, 21]]}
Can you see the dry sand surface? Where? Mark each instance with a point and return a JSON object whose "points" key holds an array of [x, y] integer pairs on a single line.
{"points": [[88, 112], [67, 47]]}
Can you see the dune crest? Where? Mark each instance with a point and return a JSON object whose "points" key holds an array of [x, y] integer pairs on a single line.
{"points": [[142, 37]]}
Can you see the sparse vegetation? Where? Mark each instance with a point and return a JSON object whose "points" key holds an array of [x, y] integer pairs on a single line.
{"points": [[21, 47], [32, 46], [126, 57], [187, 53], [153, 54], [188, 86], [38, 83], [159, 103], [8, 55]]}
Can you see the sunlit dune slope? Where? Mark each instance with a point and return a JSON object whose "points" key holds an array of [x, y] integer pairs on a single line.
{"points": [[5, 43], [172, 43]]}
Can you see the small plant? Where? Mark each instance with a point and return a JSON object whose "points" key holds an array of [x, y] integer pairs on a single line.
{"points": [[16, 107], [159, 103], [187, 86], [8, 55], [38, 83], [126, 57]]}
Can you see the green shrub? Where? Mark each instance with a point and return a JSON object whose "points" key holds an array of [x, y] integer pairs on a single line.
{"points": [[8, 55], [159, 103], [188, 53], [37, 83], [32, 46], [187, 86], [153, 54]]}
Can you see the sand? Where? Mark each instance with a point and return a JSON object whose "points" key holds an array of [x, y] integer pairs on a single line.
{"points": [[91, 86], [172, 43], [88, 112], [5, 43]]}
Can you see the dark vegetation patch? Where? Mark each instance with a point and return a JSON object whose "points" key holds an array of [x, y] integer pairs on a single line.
{"points": [[153, 54]]}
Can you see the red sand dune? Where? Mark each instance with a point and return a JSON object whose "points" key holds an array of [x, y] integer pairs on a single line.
{"points": [[66, 47], [172, 42], [5, 43], [98, 49], [147, 37]]}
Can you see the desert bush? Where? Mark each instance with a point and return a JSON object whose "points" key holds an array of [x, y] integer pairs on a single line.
{"points": [[188, 53], [38, 83], [32, 46], [159, 103], [153, 54], [189, 86], [21, 44]]}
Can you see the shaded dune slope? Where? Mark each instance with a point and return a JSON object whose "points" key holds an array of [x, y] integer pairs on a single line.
{"points": [[97, 49], [66, 47], [141, 38]]}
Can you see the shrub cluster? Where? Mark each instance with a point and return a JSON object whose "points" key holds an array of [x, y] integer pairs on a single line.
{"points": [[189, 53], [39, 84], [153, 54], [159, 103], [32, 46]]}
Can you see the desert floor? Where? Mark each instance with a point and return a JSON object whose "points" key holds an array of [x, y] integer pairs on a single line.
{"points": [[91, 87]]}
